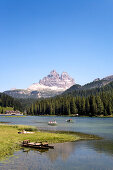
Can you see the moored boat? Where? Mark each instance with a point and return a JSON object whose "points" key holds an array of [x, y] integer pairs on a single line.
{"points": [[40, 145], [52, 123], [69, 120]]}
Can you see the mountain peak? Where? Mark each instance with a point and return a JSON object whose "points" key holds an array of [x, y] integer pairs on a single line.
{"points": [[53, 72], [64, 73], [49, 86], [55, 84], [53, 80]]}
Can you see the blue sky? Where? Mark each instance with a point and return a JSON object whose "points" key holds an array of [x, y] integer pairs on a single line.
{"points": [[37, 36]]}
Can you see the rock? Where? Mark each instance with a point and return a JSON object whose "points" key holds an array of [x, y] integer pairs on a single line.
{"points": [[96, 80], [49, 86], [54, 82], [108, 78]]}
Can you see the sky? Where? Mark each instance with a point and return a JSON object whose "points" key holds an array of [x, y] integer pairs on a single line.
{"points": [[37, 36]]}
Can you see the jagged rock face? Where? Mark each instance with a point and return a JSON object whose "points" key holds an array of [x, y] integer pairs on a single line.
{"points": [[108, 78], [98, 79], [67, 80], [51, 80], [49, 86], [55, 80]]}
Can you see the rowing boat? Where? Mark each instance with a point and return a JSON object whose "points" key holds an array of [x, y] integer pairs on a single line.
{"points": [[27, 143]]}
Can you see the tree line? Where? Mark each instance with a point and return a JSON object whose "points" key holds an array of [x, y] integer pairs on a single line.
{"points": [[92, 105], [86, 91], [7, 101]]}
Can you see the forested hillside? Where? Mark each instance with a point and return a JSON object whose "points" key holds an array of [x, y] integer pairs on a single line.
{"points": [[94, 102], [88, 89], [7, 101]]}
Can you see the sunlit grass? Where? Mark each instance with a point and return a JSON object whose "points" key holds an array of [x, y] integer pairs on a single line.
{"points": [[10, 140]]}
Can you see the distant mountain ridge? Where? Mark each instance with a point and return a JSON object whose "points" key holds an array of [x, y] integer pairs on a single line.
{"points": [[54, 84], [51, 85], [97, 83]]}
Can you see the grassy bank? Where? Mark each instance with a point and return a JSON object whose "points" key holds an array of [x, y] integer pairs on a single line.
{"points": [[10, 139], [4, 109]]}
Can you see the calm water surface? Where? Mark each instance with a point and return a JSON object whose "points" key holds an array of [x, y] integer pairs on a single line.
{"points": [[89, 155]]}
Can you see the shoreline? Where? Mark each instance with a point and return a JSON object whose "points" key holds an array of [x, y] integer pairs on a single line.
{"points": [[84, 136], [10, 140], [100, 116]]}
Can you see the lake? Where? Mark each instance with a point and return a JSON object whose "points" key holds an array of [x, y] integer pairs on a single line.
{"points": [[80, 155]]}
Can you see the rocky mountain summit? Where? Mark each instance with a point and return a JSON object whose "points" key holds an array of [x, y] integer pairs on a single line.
{"points": [[54, 82], [108, 78], [49, 86]]}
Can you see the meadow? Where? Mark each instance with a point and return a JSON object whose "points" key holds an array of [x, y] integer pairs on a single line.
{"points": [[10, 140]]}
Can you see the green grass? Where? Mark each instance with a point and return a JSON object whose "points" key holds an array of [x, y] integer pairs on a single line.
{"points": [[25, 127], [10, 140], [4, 109]]}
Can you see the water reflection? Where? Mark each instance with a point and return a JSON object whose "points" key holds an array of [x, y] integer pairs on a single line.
{"points": [[35, 150], [64, 150], [102, 146], [90, 154], [61, 151], [75, 155]]}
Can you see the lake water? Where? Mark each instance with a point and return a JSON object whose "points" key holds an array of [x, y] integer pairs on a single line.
{"points": [[80, 155]]}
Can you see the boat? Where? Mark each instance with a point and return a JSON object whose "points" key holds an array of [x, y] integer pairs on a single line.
{"points": [[52, 123], [40, 145], [25, 132], [69, 120]]}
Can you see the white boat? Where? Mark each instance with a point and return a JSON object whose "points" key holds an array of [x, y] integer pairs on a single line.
{"points": [[52, 123]]}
